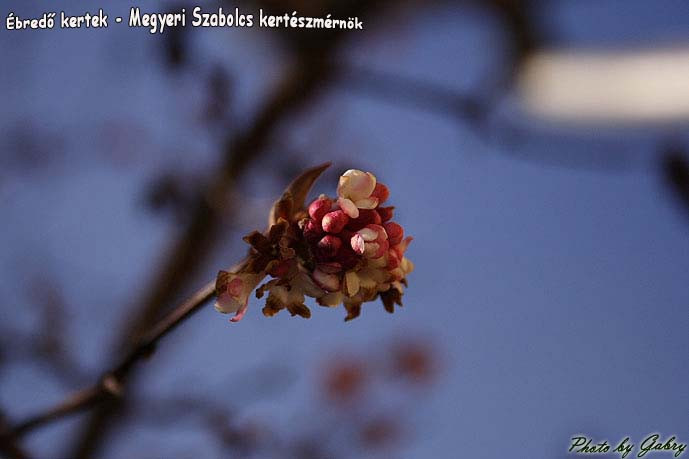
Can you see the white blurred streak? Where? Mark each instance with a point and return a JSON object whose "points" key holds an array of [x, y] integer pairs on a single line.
{"points": [[621, 86]]}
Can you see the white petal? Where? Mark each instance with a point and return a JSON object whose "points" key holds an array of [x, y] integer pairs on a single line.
{"points": [[358, 244], [326, 281], [368, 234], [355, 185], [367, 203], [227, 304], [348, 207]]}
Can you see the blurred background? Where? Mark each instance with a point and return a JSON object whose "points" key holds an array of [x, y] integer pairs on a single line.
{"points": [[536, 151]]}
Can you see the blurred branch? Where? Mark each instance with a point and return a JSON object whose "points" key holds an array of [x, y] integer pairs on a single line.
{"points": [[474, 112], [299, 86], [8, 441], [676, 173], [193, 246], [523, 34], [45, 348], [417, 94], [214, 417], [110, 386], [46, 345]]}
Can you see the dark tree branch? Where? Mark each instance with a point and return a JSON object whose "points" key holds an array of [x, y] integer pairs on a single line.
{"points": [[193, 246], [187, 255], [9, 445], [109, 387], [46, 345], [676, 173], [414, 93]]}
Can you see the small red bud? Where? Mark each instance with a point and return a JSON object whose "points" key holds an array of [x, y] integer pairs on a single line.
{"points": [[334, 222], [329, 245], [395, 232], [386, 213], [381, 192], [319, 208]]}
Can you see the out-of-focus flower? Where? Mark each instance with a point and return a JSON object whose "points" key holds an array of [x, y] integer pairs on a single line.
{"points": [[415, 361], [380, 431], [345, 380], [345, 250]]}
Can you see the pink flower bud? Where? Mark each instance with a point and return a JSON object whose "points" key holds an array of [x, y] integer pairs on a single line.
{"points": [[319, 208], [334, 222], [381, 192], [344, 250], [395, 232], [386, 213], [329, 245]]}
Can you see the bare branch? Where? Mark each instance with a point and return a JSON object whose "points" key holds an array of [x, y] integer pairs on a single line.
{"points": [[110, 386], [8, 441], [676, 173]]}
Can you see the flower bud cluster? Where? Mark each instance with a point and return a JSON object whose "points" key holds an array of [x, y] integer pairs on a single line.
{"points": [[345, 250]]}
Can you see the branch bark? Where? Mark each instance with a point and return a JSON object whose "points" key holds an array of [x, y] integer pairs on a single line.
{"points": [[9, 446], [109, 386]]}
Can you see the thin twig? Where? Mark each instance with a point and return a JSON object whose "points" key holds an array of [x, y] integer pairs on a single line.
{"points": [[110, 385]]}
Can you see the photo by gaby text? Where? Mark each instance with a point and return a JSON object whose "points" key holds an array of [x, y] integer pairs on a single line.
{"points": [[157, 22], [651, 443]]}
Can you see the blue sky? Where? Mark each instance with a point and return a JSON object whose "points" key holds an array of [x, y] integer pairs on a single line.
{"points": [[556, 295]]}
